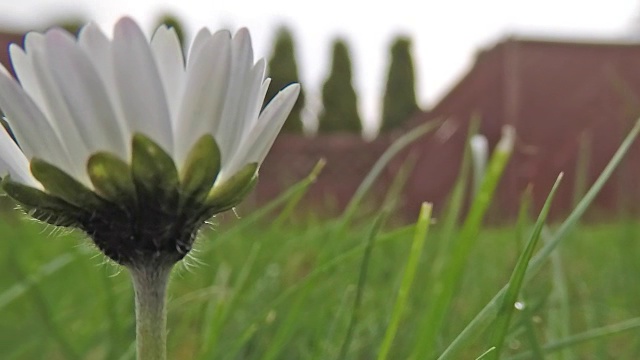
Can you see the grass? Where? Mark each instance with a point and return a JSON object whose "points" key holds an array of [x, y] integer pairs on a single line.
{"points": [[306, 287], [88, 304]]}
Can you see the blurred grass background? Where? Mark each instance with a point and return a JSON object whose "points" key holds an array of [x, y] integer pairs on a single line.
{"points": [[59, 300]]}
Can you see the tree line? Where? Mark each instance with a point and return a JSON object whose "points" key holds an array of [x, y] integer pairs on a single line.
{"points": [[339, 98]]}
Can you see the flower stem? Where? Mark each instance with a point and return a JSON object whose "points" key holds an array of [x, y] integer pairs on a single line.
{"points": [[150, 285]]}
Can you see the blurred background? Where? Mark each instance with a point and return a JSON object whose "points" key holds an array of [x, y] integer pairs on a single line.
{"points": [[445, 35], [562, 73]]}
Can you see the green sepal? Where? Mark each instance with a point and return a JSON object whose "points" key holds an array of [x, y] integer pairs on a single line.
{"points": [[60, 184], [111, 178], [229, 204], [201, 168], [231, 192], [154, 175], [221, 207], [43, 206]]}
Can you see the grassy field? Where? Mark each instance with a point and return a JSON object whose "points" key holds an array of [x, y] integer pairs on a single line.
{"points": [[270, 285], [249, 294]]}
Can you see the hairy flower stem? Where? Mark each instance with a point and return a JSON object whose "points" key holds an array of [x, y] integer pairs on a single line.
{"points": [[150, 285]]}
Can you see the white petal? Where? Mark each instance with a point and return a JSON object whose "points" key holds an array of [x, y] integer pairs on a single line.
{"points": [[84, 94], [255, 90], [50, 101], [141, 93], [23, 65], [98, 48], [198, 43], [167, 50], [232, 124], [256, 145], [264, 88], [253, 93], [13, 161], [24, 72], [33, 132], [242, 46], [96, 44], [271, 121], [204, 96], [32, 41]]}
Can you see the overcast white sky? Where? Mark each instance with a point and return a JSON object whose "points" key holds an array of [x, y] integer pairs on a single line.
{"points": [[446, 33]]}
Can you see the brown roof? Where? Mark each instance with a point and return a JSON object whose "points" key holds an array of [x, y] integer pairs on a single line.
{"points": [[553, 92]]}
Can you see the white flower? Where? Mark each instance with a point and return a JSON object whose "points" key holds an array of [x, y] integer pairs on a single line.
{"points": [[78, 97], [131, 143]]}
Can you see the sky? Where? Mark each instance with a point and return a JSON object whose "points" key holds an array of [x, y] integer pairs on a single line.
{"points": [[446, 34]]}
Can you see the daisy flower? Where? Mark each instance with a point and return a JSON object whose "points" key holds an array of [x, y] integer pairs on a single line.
{"points": [[131, 140], [136, 143]]}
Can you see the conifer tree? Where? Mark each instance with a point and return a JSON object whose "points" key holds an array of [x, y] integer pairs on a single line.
{"points": [[283, 70], [399, 101], [340, 112]]}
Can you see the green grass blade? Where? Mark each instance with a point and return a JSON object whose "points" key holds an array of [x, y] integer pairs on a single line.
{"points": [[362, 279], [287, 327], [456, 200], [218, 312], [517, 277], [129, 353], [422, 228], [582, 167], [397, 146], [113, 325], [331, 337], [589, 335], [438, 251], [559, 316], [448, 279], [349, 255], [16, 291], [242, 340], [297, 189], [394, 194], [490, 311], [295, 198], [530, 330], [486, 354], [44, 311], [524, 220]]}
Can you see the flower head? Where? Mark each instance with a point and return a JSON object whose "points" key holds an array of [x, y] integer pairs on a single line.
{"points": [[132, 141]]}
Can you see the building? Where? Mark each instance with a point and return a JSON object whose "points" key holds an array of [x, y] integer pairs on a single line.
{"points": [[568, 100]]}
